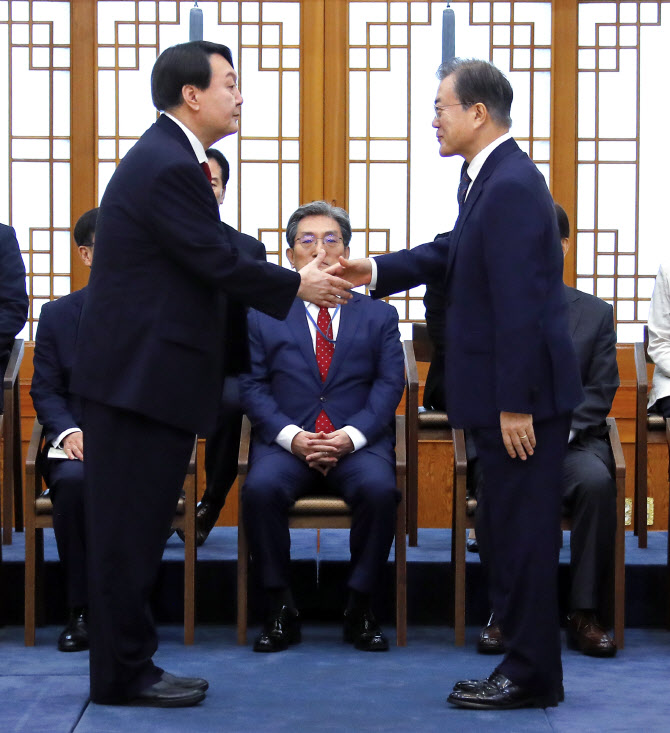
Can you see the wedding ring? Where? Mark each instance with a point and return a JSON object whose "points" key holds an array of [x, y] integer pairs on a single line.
{"points": [[521, 437]]}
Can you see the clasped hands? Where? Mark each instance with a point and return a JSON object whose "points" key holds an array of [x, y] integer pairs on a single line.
{"points": [[321, 451]]}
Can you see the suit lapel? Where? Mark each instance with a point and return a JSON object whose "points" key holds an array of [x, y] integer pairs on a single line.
{"points": [[349, 321], [502, 151], [297, 324]]}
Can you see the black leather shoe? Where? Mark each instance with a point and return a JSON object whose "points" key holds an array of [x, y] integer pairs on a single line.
{"points": [[74, 637], [186, 683], [362, 630], [206, 515], [470, 685], [585, 634], [280, 631], [500, 693], [471, 544], [490, 639], [162, 694]]}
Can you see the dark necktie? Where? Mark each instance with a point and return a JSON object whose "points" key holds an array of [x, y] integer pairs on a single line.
{"points": [[208, 172], [324, 355], [463, 187]]}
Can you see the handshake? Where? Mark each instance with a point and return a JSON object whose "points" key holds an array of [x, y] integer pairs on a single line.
{"points": [[329, 286]]}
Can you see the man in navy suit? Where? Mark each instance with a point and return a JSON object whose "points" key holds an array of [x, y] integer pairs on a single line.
{"points": [[589, 488], [322, 426], [511, 373], [60, 413], [13, 297], [150, 356]]}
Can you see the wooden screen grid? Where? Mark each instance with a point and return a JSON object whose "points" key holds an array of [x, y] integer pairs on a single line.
{"points": [[37, 168]]}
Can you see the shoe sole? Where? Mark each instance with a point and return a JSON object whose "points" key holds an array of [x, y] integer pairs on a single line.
{"points": [[295, 639], [532, 702], [181, 702], [490, 650], [574, 645]]}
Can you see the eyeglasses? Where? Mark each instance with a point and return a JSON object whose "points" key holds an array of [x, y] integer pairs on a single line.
{"points": [[307, 241], [437, 108]]}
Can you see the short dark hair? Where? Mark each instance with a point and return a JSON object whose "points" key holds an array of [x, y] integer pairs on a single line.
{"points": [[563, 221], [319, 208], [220, 158], [84, 229], [479, 81], [185, 63]]}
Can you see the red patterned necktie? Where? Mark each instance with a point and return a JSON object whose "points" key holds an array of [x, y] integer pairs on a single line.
{"points": [[324, 355], [208, 172]]}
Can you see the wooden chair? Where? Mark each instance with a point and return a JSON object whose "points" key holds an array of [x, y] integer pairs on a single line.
{"points": [[10, 429], [420, 424], [39, 515], [325, 512], [648, 429], [463, 517]]}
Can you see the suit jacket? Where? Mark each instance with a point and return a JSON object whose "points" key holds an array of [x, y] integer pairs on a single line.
{"points": [[57, 407], [13, 297], [151, 336], [594, 337], [364, 384], [506, 331]]}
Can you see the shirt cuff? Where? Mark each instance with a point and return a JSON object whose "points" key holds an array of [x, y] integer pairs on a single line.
{"points": [[56, 443], [571, 437], [286, 435], [373, 275], [357, 438]]}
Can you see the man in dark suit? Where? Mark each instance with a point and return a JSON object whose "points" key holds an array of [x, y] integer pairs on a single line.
{"points": [[223, 444], [322, 426], [150, 355], [589, 488], [59, 411], [13, 297], [511, 373]]}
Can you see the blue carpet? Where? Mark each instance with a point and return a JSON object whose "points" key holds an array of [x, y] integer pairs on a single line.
{"points": [[325, 685]]}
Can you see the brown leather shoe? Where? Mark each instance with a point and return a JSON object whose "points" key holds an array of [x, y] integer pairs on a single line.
{"points": [[490, 639], [587, 635]]}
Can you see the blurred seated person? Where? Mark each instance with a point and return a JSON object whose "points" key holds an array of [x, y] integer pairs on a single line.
{"points": [[659, 342], [59, 411], [321, 397], [13, 297], [589, 494], [222, 446]]}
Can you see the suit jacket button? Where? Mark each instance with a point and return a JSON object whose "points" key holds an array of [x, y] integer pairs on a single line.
{"points": [[322, 399]]}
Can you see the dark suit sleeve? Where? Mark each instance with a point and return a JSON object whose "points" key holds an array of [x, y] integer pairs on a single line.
{"points": [[185, 221], [255, 394], [49, 389], [388, 383], [13, 297], [602, 381], [411, 267]]}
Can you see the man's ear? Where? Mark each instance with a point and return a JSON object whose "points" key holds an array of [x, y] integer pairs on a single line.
{"points": [[289, 255], [86, 254], [189, 94]]}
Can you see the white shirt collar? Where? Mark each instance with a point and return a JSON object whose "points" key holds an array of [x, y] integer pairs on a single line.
{"points": [[477, 163], [195, 143]]}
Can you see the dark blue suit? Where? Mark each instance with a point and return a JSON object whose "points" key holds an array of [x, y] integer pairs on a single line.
{"points": [[13, 298], [150, 361], [508, 349], [58, 409], [363, 388]]}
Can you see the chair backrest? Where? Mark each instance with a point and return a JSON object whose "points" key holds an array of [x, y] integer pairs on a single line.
{"points": [[423, 346]]}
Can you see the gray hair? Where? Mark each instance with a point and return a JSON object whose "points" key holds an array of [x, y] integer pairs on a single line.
{"points": [[319, 208], [479, 81]]}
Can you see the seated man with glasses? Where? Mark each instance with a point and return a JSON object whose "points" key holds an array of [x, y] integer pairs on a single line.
{"points": [[321, 396]]}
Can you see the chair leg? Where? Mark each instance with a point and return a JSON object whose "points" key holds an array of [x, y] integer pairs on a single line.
{"points": [[190, 554], [32, 542], [619, 604], [401, 574], [458, 555], [242, 581], [8, 469], [18, 462]]}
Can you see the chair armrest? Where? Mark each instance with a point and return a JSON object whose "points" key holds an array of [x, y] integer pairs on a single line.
{"points": [[411, 371], [192, 462], [617, 450], [400, 445], [667, 431], [243, 455], [640, 368], [460, 456], [33, 448], [14, 364]]}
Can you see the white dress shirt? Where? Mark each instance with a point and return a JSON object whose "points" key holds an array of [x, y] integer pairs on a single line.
{"points": [[659, 335], [286, 435]]}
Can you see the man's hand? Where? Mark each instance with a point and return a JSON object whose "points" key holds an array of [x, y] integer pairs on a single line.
{"points": [[301, 446], [517, 434], [330, 447], [357, 272], [73, 445], [321, 288]]}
